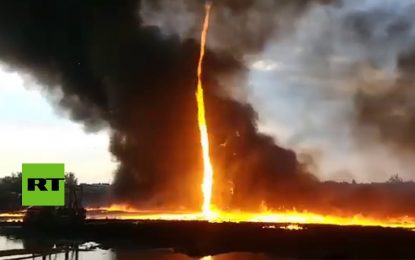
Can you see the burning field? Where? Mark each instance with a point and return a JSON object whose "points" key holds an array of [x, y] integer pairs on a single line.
{"points": [[266, 216], [211, 213], [193, 140]]}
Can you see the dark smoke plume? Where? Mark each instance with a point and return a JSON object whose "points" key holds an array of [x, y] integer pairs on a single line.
{"points": [[113, 72], [237, 27], [392, 112], [111, 69]]}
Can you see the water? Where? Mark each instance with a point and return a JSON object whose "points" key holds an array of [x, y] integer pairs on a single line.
{"points": [[92, 251], [7, 243]]}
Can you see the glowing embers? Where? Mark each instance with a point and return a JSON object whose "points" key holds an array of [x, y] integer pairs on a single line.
{"points": [[269, 217], [12, 216], [285, 227]]}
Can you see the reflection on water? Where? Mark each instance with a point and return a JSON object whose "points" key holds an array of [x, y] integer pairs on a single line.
{"points": [[11, 248], [238, 256], [8, 243], [97, 254]]}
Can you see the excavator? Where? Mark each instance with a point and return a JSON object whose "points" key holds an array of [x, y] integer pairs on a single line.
{"points": [[72, 213]]}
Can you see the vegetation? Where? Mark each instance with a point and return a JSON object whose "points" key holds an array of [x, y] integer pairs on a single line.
{"points": [[11, 190], [95, 195]]}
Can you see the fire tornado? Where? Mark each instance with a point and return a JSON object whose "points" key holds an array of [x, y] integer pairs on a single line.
{"points": [[207, 183], [134, 81]]}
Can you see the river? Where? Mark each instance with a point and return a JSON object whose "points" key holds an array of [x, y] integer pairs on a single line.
{"points": [[12, 248]]}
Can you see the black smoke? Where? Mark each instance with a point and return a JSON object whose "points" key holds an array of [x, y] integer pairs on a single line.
{"points": [[113, 72], [108, 70], [391, 112]]}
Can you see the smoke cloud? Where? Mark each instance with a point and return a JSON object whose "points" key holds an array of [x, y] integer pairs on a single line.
{"points": [[109, 69], [239, 28], [319, 76], [338, 86]]}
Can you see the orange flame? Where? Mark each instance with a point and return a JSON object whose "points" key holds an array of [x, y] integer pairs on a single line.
{"points": [[293, 218], [207, 184]]}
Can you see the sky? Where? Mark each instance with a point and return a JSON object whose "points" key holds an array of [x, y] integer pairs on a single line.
{"points": [[32, 131], [303, 87], [332, 87]]}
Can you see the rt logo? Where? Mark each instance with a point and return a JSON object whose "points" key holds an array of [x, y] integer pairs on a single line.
{"points": [[43, 184]]}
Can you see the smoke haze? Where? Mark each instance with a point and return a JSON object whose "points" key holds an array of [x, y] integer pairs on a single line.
{"points": [[338, 86], [109, 70], [328, 79]]}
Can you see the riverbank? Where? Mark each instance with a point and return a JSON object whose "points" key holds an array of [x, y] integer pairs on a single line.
{"points": [[200, 238]]}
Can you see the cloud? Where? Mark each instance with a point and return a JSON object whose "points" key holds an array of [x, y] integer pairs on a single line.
{"points": [[341, 88]]}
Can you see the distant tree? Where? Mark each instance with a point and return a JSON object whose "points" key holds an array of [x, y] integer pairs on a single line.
{"points": [[12, 183], [10, 190], [353, 181], [395, 179], [70, 179]]}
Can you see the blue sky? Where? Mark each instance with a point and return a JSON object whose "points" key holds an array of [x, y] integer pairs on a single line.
{"points": [[31, 130]]}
